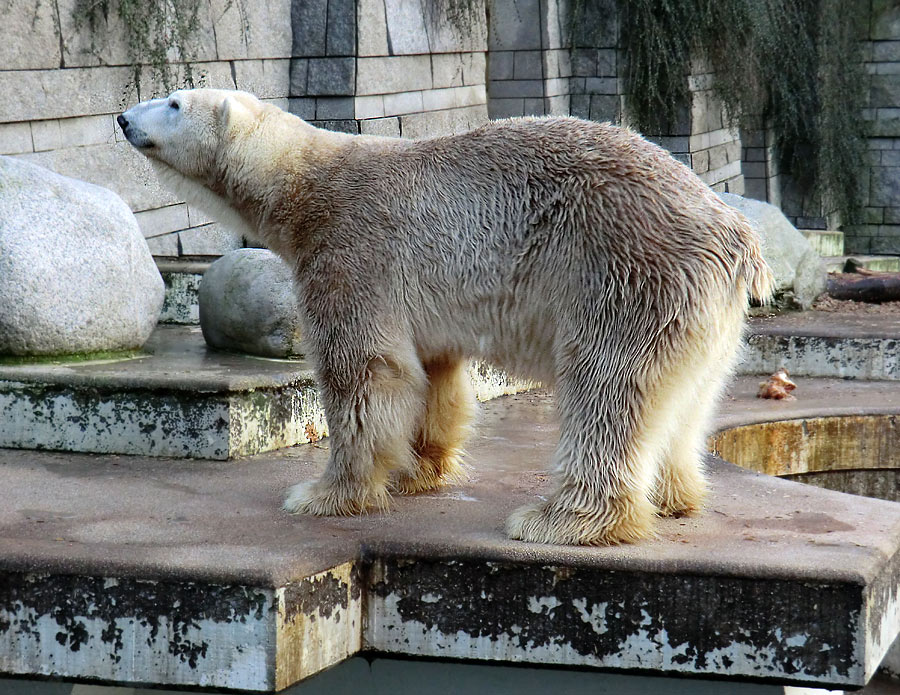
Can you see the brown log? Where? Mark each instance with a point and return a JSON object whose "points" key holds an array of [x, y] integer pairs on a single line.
{"points": [[873, 288]]}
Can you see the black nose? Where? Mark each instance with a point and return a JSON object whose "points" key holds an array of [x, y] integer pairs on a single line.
{"points": [[122, 121]]}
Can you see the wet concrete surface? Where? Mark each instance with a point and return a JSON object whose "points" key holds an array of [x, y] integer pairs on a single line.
{"points": [[174, 358], [220, 521], [774, 580]]}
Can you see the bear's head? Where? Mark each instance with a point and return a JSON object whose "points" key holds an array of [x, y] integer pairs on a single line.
{"points": [[188, 130], [199, 138]]}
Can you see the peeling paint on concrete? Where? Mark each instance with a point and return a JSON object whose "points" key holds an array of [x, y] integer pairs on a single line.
{"points": [[490, 382], [181, 304], [621, 620], [159, 422], [269, 419], [882, 619], [319, 623], [133, 630], [849, 358], [186, 634], [89, 419]]}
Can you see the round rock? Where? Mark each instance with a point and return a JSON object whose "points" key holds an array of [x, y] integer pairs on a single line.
{"points": [[247, 304], [76, 275], [800, 273]]}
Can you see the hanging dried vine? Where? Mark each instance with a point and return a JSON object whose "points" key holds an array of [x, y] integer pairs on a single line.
{"points": [[158, 33], [794, 64]]}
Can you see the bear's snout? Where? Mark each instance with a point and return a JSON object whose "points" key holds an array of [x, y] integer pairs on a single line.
{"points": [[133, 133]]}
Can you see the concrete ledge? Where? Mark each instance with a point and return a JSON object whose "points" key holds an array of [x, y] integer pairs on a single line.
{"points": [[178, 399], [144, 571], [839, 264], [823, 344]]}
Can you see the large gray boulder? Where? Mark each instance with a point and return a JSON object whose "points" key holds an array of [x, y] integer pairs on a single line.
{"points": [[76, 275], [800, 273], [247, 304]]}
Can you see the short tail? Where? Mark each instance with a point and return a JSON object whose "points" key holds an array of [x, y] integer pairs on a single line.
{"points": [[759, 278], [754, 270]]}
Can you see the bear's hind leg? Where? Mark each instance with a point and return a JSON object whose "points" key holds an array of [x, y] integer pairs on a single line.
{"points": [[372, 421], [681, 484], [604, 462], [446, 424]]}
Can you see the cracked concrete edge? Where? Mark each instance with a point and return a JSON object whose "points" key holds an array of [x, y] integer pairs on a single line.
{"points": [[263, 639], [853, 358], [168, 633]]}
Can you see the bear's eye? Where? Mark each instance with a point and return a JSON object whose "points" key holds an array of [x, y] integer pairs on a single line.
{"points": [[174, 104]]}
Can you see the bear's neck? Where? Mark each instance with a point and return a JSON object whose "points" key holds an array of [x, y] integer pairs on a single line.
{"points": [[292, 173]]}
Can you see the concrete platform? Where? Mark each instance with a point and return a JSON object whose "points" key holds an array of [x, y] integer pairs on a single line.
{"points": [[172, 572], [179, 399], [825, 344]]}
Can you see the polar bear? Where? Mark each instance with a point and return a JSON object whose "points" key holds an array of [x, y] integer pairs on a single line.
{"points": [[570, 252]]}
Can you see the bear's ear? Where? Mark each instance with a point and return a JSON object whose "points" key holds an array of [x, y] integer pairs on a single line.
{"points": [[232, 112]]}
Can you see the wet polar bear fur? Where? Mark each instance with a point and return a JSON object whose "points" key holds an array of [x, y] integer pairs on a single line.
{"points": [[569, 252]]}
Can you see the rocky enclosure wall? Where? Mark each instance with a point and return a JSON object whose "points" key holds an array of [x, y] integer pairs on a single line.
{"points": [[880, 232], [409, 68], [389, 67]]}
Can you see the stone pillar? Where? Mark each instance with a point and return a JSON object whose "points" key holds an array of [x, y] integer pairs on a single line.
{"points": [[759, 162], [323, 66], [596, 85], [714, 148]]}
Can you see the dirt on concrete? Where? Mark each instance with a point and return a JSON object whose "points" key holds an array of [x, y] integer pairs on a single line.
{"points": [[829, 304]]}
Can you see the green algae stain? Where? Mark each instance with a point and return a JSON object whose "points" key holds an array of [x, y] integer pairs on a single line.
{"points": [[77, 358]]}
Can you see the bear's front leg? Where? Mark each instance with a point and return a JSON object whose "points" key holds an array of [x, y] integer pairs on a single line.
{"points": [[373, 413]]}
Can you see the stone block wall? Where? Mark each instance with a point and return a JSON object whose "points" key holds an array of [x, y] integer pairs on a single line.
{"points": [[596, 86], [61, 96], [714, 148], [880, 233], [409, 68], [388, 67], [759, 163], [391, 67], [529, 62], [536, 66], [421, 67], [879, 229]]}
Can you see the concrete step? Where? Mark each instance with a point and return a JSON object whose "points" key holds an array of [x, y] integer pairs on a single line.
{"points": [[182, 399], [135, 570], [177, 399], [847, 264], [825, 344], [825, 242]]}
